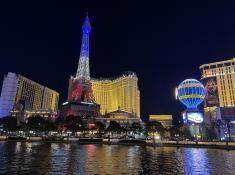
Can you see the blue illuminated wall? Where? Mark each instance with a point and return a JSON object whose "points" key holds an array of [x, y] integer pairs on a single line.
{"points": [[8, 93]]}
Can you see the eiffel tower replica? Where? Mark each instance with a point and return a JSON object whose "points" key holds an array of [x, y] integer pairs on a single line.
{"points": [[80, 101]]}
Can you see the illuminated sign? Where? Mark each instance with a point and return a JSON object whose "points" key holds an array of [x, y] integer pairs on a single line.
{"points": [[195, 117], [212, 97]]}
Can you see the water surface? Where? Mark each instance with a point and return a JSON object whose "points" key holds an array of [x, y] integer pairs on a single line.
{"points": [[62, 158]]}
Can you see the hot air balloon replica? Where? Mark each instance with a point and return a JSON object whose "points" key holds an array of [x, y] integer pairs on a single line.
{"points": [[191, 93]]}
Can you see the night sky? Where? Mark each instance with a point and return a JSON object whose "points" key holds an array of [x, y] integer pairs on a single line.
{"points": [[164, 43]]}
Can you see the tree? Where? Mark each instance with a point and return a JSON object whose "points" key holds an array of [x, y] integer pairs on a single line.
{"points": [[114, 127], [36, 123], [207, 132], [174, 131], [126, 128], [210, 134], [70, 120], [59, 123], [185, 132], [136, 128], [71, 123], [100, 127], [10, 123], [155, 126], [49, 125]]}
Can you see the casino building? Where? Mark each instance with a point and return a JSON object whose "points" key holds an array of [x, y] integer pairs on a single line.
{"points": [[101, 99], [37, 99], [115, 93], [219, 81], [165, 120]]}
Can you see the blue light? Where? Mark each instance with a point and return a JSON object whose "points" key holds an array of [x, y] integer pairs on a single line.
{"points": [[191, 93], [86, 28]]}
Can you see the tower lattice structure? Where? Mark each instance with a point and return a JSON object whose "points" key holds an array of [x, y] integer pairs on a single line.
{"points": [[80, 85]]}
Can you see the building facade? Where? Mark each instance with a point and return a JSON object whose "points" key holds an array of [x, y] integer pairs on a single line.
{"points": [[36, 97], [122, 117], [224, 119], [165, 120], [121, 92], [219, 81]]}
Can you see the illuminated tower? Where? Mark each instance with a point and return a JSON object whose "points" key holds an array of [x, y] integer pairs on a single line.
{"points": [[80, 85], [83, 71], [80, 101]]}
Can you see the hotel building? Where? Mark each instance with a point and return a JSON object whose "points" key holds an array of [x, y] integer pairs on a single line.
{"points": [[119, 93], [36, 97], [165, 120], [219, 81]]}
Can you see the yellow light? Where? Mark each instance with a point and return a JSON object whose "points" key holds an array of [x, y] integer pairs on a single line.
{"points": [[122, 92], [190, 85], [157, 137], [191, 96]]}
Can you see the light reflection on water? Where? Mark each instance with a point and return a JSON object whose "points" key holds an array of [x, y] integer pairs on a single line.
{"points": [[60, 158]]}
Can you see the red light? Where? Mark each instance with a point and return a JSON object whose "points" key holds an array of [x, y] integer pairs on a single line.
{"points": [[91, 125]]}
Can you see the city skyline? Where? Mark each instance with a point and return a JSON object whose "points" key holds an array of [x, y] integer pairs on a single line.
{"points": [[45, 45]]}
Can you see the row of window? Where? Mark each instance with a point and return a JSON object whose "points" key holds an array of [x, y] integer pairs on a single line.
{"points": [[34, 94], [213, 66]]}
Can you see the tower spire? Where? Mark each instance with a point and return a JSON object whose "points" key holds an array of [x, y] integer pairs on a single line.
{"points": [[83, 71]]}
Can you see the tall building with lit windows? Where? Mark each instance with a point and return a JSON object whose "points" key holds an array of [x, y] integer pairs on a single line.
{"points": [[117, 93], [219, 81], [36, 97]]}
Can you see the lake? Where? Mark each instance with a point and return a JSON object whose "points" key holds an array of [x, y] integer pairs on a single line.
{"points": [[71, 158]]}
